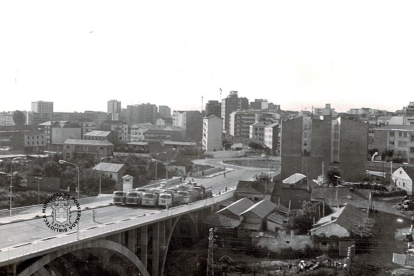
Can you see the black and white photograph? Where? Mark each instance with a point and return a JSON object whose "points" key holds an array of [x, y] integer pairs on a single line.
{"points": [[217, 138]]}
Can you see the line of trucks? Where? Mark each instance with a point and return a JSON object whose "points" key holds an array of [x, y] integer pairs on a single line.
{"points": [[161, 196]]}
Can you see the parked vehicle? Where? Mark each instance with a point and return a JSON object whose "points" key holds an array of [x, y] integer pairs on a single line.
{"points": [[149, 199], [133, 198], [119, 197], [170, 199]]}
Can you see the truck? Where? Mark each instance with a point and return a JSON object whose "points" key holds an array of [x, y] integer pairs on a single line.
{"points": [[119, 197], [133, 198], [203, 192]]}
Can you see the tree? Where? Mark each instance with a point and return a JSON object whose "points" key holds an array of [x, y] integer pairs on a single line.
{"points": [[19, 118], [263, 177], [332, 176], [256, 146], [301, 221], [365, 229]]}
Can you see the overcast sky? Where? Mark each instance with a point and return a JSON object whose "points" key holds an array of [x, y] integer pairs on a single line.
{"points": [[80, 54]]}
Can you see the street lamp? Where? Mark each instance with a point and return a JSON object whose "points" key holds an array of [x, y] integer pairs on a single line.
{"points": [[38, 189], [11, 183], [100, 177], [66, 162], [166, 168]]}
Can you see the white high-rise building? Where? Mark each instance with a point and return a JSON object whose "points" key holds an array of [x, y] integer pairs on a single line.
{"points": [[212, 133], [42, 107], [114, 109]]}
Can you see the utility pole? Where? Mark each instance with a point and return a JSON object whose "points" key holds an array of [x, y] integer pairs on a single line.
{"points": [[210, 260]]}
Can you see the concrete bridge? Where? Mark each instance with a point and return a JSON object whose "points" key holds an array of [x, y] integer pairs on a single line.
{"points": [[132, 246]]}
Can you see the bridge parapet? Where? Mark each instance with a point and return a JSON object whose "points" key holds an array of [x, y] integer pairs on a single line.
{"points": [[24, 251]]}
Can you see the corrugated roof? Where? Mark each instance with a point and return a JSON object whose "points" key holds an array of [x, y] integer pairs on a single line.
{"points": [[138, 143], [99, 133], [397, 127], [87, 142], [262, 208], [179, 143], [294, 178], [238, 207], [108, 167]]}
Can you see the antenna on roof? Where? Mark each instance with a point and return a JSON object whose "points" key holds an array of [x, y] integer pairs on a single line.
{"points": [[220, 93], [201, 104]]}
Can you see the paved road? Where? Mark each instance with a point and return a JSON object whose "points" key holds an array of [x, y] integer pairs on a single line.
{"points": [[28, 231]]}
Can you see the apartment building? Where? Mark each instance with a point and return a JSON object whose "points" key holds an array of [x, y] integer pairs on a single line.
{"points": [[191, 121], [164, 111], [78, 147], [42, 107], [114, 109], [212, 133], [240, 122], [311, 146], [213, 108], [231, 104], [6, 119], [272, 138]]}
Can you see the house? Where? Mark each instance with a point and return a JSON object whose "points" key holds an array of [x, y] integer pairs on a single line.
{"points": [[255, 217], [97, 148], [403, 179], [343, 223], [277, 220], [340, 196], [291, 195], [254, 190], [29, 141], [111, 170]]}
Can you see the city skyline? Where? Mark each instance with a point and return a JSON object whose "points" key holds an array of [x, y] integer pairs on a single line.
{"points": [[349, 55]]}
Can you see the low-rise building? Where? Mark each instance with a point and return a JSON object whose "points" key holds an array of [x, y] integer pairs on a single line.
{"points": [[119, 126], [61, 131], [254, 190], [403, 179], [164, 122], [340, 196], [255, 217], [111, 136], [29, 141], [342, 223], [79, 147], [111, 170], [87, 125]]}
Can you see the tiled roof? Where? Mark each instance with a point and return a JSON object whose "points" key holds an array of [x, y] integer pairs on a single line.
{"points": [[262, 209], [108, 167], [238, 207], [99, 133], [349, 217], [87, 142], [339, 196], [277, 218], [220, 221], [294, 178]]}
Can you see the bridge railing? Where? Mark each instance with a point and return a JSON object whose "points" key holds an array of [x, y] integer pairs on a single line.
{"points": [[38, 208], [21, 250]]}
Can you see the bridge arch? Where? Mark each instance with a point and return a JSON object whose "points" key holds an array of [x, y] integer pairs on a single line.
{"points": [[105, 244], [194, 235]]}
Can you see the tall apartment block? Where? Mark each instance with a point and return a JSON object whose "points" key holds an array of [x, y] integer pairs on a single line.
{"points": [[140, 113], [114, 109], [231, 104], [212, 133], [164, 111], [191, 121], [213, 108], [311, 146], [42, 107]]}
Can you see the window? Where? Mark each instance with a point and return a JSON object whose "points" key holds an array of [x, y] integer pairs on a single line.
{"points": [[412, 138], [110, 175], [400, 134], [411, 150]]}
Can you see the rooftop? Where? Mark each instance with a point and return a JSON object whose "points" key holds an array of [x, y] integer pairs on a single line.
{"points": [[262, 209], [294, 178], [238, 207], [81, 142], [99, 133], [254, 187], [339, 196], [108, 167], [397, 127], [180, 143]]}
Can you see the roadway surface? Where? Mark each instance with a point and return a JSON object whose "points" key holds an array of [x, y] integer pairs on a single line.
{"points": [[35, 229]]}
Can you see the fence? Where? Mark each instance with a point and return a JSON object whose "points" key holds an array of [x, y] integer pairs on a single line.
{"points": [[209, 171], [37, 208], [225, 154], [67, 239]]}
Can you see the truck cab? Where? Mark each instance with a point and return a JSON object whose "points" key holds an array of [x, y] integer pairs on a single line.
{"points": [[133, 198], [119, 197]]}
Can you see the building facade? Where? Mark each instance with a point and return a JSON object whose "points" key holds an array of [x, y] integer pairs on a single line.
{"points": [[191, 121], [272, 138], [240, 122], [212, 133], [29, 141], [60, 132], [164, 111], [231, 104], [42, 107], [119, 126], [110, 136], [87, 125], [213, 108], [114, 109], [6, 119], [311, 146], [78, 147]]}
